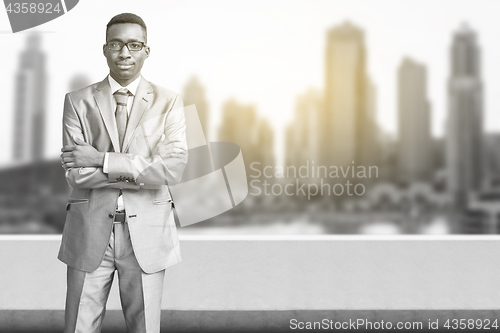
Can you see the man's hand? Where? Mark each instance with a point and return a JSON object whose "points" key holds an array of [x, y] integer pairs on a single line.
{"points": [[170, 148], [81, 154]]}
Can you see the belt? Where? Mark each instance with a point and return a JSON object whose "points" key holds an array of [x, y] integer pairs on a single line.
{"points": [[119, 217]]}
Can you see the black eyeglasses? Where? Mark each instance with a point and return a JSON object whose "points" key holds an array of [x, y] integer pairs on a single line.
{"points": [[132, 46]]}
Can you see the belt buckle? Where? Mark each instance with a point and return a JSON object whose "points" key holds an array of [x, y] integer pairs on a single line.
{"points": [[119, 217]]}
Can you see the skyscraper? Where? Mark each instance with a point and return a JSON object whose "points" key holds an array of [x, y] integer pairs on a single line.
{"points": [[265, 143], [194, 93], [349, 130], [302, 134], [241, 125], [465, 115], [369, 147], [492, 153], [415, 145], [29, 118]]}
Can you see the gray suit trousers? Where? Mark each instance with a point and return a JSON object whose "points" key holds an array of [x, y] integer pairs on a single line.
{"points": [[140, 293]]}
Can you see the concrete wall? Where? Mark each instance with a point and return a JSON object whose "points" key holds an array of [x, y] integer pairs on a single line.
{"points": [[285, 273]]}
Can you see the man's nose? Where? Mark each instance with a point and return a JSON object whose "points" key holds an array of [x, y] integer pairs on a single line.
{"points": [[125, 53]]}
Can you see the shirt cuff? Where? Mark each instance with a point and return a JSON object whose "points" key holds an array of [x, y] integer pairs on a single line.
{"points": [[105, 164]]}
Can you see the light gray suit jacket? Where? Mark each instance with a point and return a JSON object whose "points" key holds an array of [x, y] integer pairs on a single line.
{"points": [[141, 172]]}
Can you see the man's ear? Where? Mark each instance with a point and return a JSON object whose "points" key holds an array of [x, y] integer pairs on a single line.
{"points": [[147, 50], [104, 49]]}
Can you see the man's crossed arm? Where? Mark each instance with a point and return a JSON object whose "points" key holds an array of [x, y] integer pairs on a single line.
{"points": [[84, 159], [82, 154]]}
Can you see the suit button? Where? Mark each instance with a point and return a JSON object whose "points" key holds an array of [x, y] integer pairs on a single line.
{"points": [[110, 215]]}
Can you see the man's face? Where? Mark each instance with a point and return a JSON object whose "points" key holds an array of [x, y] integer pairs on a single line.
{"points": [[125, 66]]}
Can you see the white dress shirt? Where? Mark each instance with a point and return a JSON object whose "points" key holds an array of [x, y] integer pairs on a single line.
{"points": [[115, 86]]}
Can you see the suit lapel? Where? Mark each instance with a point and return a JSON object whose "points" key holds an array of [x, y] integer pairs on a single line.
{"points": [[102, 97], [141, 102]]}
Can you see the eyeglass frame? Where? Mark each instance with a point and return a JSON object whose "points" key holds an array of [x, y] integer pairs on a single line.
{"points": [[128, 48]]}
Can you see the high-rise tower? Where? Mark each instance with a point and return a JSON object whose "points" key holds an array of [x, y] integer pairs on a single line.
{"points": [[302, 134], [29, 117], [349, 130], [415, 145], [194, 93], [241, 125], [464, 132]]}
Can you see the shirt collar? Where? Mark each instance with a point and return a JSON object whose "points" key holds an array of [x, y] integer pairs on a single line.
{"points": [[132, 87]]}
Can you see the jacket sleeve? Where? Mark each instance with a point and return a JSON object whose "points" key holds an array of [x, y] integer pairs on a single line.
{"points": [[158, 169], [85, 177]]}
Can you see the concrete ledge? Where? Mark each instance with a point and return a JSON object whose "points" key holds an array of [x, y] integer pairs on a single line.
{"points": [[284, 275], [24, 321]]}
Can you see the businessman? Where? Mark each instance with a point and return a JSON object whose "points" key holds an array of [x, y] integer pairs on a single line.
{"points": [[124, 143]]}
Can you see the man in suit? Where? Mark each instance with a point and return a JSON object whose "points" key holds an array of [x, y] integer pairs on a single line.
{"points": [[124, 142]]}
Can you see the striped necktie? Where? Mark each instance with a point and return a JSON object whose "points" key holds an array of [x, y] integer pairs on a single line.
{"points": [[121, 113]]}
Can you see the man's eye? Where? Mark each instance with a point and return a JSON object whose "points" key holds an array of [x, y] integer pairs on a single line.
{"points": [[114, 45], [135, 45]]}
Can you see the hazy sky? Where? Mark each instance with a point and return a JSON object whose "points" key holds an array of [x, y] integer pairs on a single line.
{"points": [[260, 52]]}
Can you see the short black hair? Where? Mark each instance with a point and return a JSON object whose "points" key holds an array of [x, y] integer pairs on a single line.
{"points": [[128, 18]]}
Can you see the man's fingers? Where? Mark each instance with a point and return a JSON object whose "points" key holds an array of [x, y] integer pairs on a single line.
{"points": [[176, 149], [68, 148], [67, 154], [67, 157], [172, 151], [175, 155]]}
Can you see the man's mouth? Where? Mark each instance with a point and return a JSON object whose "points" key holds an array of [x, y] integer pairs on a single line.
{"points": [[124, 66]]}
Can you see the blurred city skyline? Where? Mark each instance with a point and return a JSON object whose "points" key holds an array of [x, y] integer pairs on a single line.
{"points": [[423, 181], [302, 45]]}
